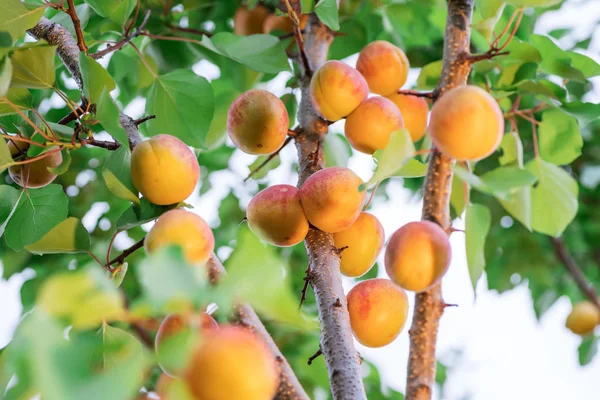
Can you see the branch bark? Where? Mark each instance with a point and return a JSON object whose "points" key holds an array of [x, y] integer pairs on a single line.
{"points": [[429, 305], [337, 345]]}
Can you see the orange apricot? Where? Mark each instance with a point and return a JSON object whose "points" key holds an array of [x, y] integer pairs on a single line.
{"points": [[378, 310], [33, 174], [257, 122], [164, 170], [466, 124], [384, 66], [364, 239], [371, 125], [583, 319], [283, 23], [331, 199], [249, 22], [276, 216], [336, 89], [418, 255], [414, 111], [183, 228]]}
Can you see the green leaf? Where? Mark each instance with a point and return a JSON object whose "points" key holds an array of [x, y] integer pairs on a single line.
{"points": [[560, 141], [108, 114], [457, 195], [9, 197], [584, 112], [15, 18], [555, 60], [491, 11], [478, 220], [389, 160], [337, 150], [553, 199], [512, 150], [533, 3], [291, 106], [412, 169], [585, 64], [115, 338], [587, 350], [64, 165], [96, 79], [498, 182], [117, 175], [38, 211], [119, 272], [271, 165], [116, 10], [19, 97], [6, 70], [70, 236], [33, 67], [430, 75], [6, 159], [327, 12], [523, 51], [83, 12], [183, 103], [140, 214]]}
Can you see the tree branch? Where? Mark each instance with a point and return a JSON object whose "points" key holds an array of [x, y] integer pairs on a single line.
{"points": [[429, 305], [120, 44], [121, 257], [77, 25]]}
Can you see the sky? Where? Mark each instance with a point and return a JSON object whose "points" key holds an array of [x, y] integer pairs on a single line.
{"points": [[495, 347]]}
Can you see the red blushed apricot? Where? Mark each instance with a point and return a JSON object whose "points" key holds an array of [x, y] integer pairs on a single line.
{"points": [[378, 310], [257, 122], [331, 199], [418, 255], [583, 319], [370, 126], [384, 66], [364, 240], [336, 89], [183, 228], [249, 22], [276, 216], [34, 174], [466, 124], [414, 111]]}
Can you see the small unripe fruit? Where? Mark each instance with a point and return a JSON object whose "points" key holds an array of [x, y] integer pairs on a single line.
{"points": [[583, 318], [276, 216], [371, 125], [378, 309], [283, 23], [17, 148], [384, 66], [232, 363], [414, 111], [418, 255], [34, 174], [364, 239], [331, 198], [164, 170], [336, 89], [466, 124], [183, 228], [249, 22], [257, 122]]}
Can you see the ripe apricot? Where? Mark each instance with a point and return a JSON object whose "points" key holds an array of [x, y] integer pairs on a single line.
{"points": [[164, 170], [418, 255], [257, 122], [466, 123], [183, 228], [232, 364], [384, 66], [283, 23], [276, 216], [34, 174], [336, 89], [370, 126], [378, 309], [364, 239], [249, 22], [583, 318], [414, 111], [331, 198]]}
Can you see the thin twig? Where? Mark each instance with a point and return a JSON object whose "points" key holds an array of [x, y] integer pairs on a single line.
{"points": [[189, 30], [372, 195], [488, 55], [121, 258], [77, 25], [140, 121], [74, 115], [120, 44], [315, 356], [269, 158], [299, 39], [108, 145], [305, 287], [428, 95], [110, 244]]}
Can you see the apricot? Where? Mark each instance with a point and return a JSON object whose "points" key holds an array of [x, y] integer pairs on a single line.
{"points": [[163, 385], [164, 170], [414, 111], [364, 239], [249, 22], [34, 174], [583, 318], [257, 122], [331, 199], [370, 126], [378, 309], [466, 124], [418, 255], [336, 89], [283, 23], [232, 364], [183, 228], [384, 66], [276, 216]]}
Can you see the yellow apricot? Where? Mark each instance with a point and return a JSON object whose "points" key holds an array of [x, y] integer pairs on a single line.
{"points": [[331, 199], [378, 310], [183, 228], [370, 126], [583, 318], [418, 255], [414, 111], [384, 66], [364, 239], [164, 170], [34, 174], [232, 363], [466, 124], [249, 22], [336, 89], [257, 122], [283, 23], [276, 216]]}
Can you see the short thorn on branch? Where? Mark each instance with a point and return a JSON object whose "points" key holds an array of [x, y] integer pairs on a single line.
{"points": [[339, 250], [127, 39], [271, 156], [488, 55], [315, 356], [449, 305], [428, 95], [140, 121], [305, 287], [337, 303]]}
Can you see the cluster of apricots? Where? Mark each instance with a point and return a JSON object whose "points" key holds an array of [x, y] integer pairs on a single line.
{"points": [[261, 20], [584, 318]]}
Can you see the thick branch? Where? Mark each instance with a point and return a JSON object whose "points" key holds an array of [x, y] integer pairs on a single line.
{"points": [[429, 305], [337, 345]]}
